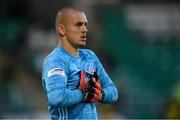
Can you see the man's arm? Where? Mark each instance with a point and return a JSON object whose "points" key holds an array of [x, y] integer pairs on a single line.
{"points": [[55, 85], [110, 90]]}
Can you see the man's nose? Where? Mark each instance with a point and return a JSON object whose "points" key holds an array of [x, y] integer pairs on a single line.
{"points": [[84, 29]]}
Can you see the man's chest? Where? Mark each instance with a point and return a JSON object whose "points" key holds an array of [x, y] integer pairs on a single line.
{"points": [[74, 71]]}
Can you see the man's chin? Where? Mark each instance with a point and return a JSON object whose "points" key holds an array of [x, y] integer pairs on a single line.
{"points": [[82, 45]]}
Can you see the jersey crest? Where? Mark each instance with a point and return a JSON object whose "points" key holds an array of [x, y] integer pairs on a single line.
{"points": [[91, 70]]}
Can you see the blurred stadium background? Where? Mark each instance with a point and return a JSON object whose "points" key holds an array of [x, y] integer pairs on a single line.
{"points": [[138, 42]]}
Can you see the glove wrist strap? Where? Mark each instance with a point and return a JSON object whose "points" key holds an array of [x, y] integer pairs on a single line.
{"points": [[101, 96]]}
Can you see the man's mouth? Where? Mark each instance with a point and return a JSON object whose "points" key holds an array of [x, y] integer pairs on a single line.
{"points": [[83, 37]]}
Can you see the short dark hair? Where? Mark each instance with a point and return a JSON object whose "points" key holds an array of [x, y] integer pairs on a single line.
{"points": [[62, 11]]}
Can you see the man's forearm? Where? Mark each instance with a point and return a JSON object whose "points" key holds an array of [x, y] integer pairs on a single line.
{"points": [[110, 94], [64, 98]]}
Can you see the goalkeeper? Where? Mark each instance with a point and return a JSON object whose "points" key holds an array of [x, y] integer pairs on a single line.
{"points": [[73, 78]]}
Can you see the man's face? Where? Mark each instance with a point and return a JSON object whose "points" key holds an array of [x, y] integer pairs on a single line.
{"points": [[76, 29]]}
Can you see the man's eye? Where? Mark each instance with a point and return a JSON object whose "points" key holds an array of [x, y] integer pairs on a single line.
{"points": [[86, 24], [78, 24]]}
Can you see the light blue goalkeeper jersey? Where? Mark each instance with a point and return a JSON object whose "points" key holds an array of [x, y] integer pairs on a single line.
{"points": [[60, 79]]}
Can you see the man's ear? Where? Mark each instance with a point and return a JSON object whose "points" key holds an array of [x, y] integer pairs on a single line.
{"points": [[61, 29]]}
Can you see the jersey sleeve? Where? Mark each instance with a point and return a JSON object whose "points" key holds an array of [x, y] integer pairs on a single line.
{"points": [[110, 90], [54, 78]]}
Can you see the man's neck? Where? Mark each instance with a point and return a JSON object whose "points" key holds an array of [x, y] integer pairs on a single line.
{"points": [[68, 47]]}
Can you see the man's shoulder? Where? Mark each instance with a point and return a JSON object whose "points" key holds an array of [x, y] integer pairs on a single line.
{"points": [[55, 55]]}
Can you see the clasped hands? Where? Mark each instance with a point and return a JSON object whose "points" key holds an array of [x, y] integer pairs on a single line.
{"points": [[91, 89]]}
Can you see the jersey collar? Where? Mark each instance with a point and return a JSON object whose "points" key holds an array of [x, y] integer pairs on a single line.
{"points": [[66, 52]]}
